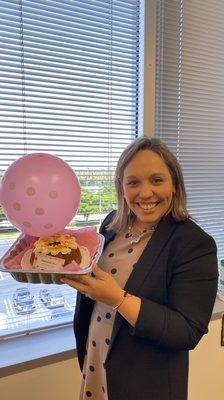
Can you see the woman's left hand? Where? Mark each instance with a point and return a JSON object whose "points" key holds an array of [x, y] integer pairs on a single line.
{"points": [[102, 287]]}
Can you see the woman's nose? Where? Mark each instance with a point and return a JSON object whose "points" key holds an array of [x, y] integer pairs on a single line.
{"points": [[146, 191]]}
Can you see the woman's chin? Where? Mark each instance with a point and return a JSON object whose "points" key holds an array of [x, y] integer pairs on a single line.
{"points": [[147, 221]]}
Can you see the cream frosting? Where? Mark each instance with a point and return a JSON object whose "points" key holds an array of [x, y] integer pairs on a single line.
{"points": [[55, 244]]}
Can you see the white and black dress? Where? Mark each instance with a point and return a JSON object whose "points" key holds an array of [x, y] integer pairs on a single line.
{"points": [[118, 260]]}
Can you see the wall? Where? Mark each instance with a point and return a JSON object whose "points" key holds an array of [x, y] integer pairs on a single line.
{"points": [[206, 378], [59, 381]]}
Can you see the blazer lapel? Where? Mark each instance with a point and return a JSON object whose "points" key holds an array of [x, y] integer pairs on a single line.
{"points": [[144, 266], [150, 254], [108, 237]]}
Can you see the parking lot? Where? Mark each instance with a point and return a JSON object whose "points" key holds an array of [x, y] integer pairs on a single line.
{"points": [[13, 320]]}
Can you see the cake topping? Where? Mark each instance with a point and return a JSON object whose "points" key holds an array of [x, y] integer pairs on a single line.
{"points": [[54, 245]]}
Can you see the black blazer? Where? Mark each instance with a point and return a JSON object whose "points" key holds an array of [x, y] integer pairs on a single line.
{"points": [[176, 278]]}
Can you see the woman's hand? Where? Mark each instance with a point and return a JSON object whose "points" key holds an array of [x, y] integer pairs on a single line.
{"points": [[102, 287]]}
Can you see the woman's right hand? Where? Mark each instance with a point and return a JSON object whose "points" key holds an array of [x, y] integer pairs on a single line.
{"points": [[100, 287]]}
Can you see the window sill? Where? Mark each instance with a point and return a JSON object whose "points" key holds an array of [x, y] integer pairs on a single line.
{"points": [[31, 351]]}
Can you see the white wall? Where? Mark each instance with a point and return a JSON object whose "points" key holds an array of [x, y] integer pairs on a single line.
{"points": [[59, 381], [207, 366]]}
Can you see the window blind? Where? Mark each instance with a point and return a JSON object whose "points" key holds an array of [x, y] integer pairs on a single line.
{"points": [[69, 82], [190, 102], [69, 79]]}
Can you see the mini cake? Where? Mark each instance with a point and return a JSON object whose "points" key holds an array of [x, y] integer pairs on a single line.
{"points": [[60, 246]]}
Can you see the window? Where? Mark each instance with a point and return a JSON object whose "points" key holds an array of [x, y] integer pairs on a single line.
{"points": [[189, 102], [69, 81]]}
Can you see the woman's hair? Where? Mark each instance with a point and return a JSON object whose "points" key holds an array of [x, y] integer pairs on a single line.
{"points": [[124, 215]]}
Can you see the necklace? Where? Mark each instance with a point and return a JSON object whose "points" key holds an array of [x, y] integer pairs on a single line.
{"points": [[135, 237]]}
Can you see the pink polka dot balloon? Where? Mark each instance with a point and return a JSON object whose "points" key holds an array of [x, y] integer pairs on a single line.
{"points": [[40, 194]]}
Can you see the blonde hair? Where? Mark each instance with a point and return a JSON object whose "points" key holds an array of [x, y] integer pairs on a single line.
{"points": [[124, 216]]}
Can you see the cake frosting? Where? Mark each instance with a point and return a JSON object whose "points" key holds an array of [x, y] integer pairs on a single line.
{"points": [[64, 247]]}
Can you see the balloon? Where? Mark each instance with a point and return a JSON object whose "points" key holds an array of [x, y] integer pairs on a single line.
{"points": [[40, 194]]}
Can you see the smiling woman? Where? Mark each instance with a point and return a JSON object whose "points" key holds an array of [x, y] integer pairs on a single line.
{"points": [[148, 169], [141, 307], [148, 188]]}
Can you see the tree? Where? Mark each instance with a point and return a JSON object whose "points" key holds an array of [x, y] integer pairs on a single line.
{"points": [[89, 203], [108, 198], [96, 203]]}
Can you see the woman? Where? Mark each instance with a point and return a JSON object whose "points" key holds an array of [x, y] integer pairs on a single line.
{"points": [[151, 296]]}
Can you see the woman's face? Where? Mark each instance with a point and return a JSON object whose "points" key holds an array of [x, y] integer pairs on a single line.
{"points": [[148, 188]]}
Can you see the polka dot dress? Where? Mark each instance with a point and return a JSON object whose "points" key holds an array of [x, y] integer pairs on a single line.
{"points": [[118, 260]]}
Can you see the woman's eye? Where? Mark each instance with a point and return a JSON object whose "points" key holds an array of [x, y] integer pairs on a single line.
{"points": [[132, 183], [157, 180]]}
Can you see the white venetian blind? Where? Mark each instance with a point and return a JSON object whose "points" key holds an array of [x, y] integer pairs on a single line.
{"points": [[190, 102], [69, 79], [69, 86], [69, 82]]}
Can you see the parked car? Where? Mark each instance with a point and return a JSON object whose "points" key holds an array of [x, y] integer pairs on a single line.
{"points": [[23, 301], [62, 313], [52, 298]]}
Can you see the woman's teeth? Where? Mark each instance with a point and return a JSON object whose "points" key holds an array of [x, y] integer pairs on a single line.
{"points": [[147, 206]]}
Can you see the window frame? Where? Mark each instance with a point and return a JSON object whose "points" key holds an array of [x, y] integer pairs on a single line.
{"points": [[54, 334]]}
